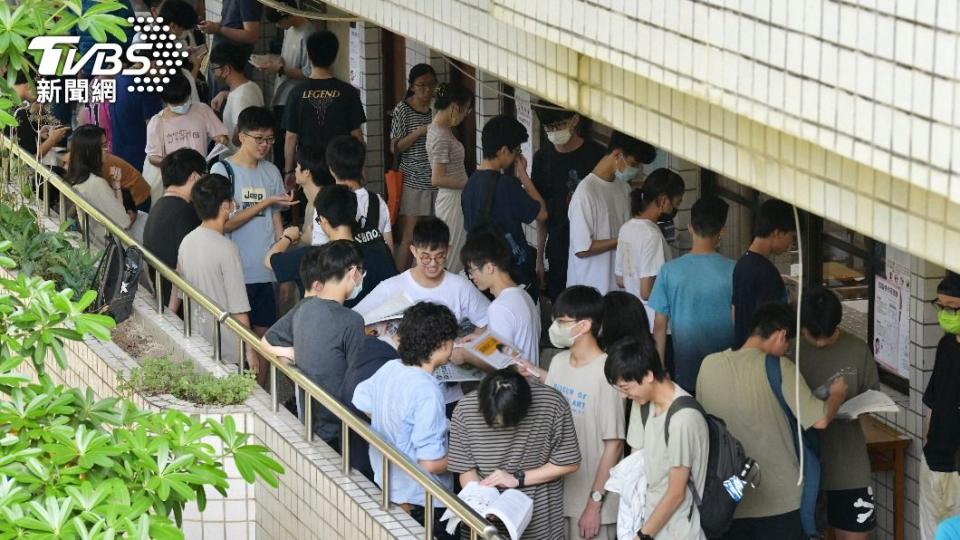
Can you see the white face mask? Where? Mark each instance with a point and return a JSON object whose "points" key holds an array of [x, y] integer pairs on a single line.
{"points": [[562, 336], [183, 108], [559, 137], [357, 289], [628, 173]]}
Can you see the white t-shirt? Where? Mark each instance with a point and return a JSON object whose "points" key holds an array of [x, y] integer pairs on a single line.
{"points": [[515, 318], [294, 54], [363, 198], [246, 95], [597, 211], [641, 252]]}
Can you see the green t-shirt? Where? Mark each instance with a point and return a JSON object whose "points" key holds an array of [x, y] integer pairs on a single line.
{"points": [[733, 386], [843, 450]]}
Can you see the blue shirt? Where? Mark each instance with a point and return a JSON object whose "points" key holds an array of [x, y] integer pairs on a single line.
{"points": [[406, 409], [694, 291], [511, 208], [949, 529], [129, 116]]}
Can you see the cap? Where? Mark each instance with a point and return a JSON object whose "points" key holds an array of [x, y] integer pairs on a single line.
{"points": [[950, 286]]}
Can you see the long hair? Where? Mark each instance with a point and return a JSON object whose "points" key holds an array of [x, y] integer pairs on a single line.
{"points": [[86, 153]]}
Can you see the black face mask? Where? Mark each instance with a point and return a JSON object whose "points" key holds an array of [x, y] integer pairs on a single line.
{"points": [[669, 217]]}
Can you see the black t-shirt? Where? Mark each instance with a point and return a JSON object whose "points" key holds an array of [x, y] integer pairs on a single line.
{"points": [[511, 208], [756, 281], [942, 396], [170, 219], [556, 176], [320, 109]]}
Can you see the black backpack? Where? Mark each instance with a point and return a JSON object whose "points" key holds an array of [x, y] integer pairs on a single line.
{"points": [[726, 459], [118, 277]]}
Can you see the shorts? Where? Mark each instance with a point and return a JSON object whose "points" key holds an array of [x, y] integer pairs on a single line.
{"points": [[263, 304], [852, 510], [417, 202], [781, 526]]}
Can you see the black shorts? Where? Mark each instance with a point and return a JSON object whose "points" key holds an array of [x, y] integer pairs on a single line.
{"points": [[852, 510], [263, 304]]}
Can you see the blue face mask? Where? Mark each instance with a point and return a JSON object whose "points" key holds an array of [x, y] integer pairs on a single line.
{"points": [[182, 108], [627, 174]]}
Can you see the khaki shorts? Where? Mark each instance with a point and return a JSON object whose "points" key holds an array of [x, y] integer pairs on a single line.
{"points": [[417, 202]]}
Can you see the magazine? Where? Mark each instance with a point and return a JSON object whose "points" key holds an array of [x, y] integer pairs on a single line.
{"points": [[390, 309], [386, 331], [492, 350], [452, 373], [871, 401], [217, 151], [513, 508]]}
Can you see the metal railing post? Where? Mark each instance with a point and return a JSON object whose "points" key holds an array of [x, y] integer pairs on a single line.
{"points": [[307, 416], [187, 318], [158, 288], [241, 355], [345, 447], [428, 516], [274, 398], [46, 197], [86, 229], [385, 482], [217, 353]]}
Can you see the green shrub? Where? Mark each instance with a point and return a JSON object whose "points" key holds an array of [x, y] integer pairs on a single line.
{"points": [[181, 379]]}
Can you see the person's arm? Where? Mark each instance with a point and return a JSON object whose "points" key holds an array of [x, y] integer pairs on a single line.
{"points": [[672, 499], [439, 178], [660, 334], [838, 394], [242, 217], [597, 247], [590, 518], [289, 151], [401, 144], [277, 226], [282, 352], [470, 476], [646, 287], [54, 136], [520, 168], [388, 239], [357, 134], [434, 466], [287, 240], [543, 474], [155, 160], [926, 424], [249, 34]]}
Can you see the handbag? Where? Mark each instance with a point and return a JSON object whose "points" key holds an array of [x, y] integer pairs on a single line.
{"points": [[393, 188]]}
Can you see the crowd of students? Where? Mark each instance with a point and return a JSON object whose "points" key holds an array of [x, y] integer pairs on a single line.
{"points": [[630, 320]]}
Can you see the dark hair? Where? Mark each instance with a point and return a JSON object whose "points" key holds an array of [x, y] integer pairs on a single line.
{"points": [[630, 359], [346, 157], [431, 233], [254, 118], [639, 150], [449, 94], [329, 262], [774, 215], [210, 191], [660, 182], [338, 205], [772, 317], [179, 13], [623, 315], [86, 153], [504, 398], [322, 48], [502, 131], [275, 15], [949, 285], [176, 91], [416, 72], [708, 216], [425, 327], [129, 204], [311, 160], [581, 303], [228, 54], [482, 247], [177, 166], [820, 312], [548, 113]]}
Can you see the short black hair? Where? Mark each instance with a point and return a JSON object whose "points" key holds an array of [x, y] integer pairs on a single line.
{"points": [[322, 48], [275, 15], [210, 191], [417, 71], [820, 312], [329, 262], [548, 113], [772, 317], [662, 181], [504, 398], [346, 157], [338, 205], [774, 215], [128, 203], [177, 166], [449, 94], [502, 130], [311, 160], [708, 216], [630, 359], [227, 53], [639, 150], [179, 13], [254, 118], [431, 233], [425, 327], [623, 315], [178, 90], [482, 247], [581, 303]]}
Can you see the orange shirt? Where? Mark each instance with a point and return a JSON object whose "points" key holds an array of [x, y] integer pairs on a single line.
{"points": [[115, 168]]}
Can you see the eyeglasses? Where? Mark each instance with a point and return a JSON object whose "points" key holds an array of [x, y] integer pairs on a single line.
{"points": [[262, 140], [946, 309], [557, 126], [425, 257]]}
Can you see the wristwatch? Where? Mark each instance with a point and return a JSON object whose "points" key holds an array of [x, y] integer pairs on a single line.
{"points": [[597, 496], [520, 476], [642, 536]]}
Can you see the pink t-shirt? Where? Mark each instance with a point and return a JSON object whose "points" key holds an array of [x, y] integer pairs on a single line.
{"points": [[195, 130]]}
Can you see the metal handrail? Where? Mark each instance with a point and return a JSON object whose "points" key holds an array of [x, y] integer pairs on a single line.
{"points": [[479, 527]]}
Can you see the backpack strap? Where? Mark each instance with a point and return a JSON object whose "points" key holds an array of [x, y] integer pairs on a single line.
{"points": [[373, 211], [775, 378], [488, 198], [680, 403], [230, 174]]}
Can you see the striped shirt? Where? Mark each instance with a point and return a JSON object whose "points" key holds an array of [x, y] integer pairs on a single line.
{"points": [[545, 435], [413, 161]]}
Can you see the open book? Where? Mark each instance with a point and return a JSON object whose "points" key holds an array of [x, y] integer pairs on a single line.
{"points": [[217, 150], [386, 331], [513, 508], [492, 350], [870, 401], [390, 309]]}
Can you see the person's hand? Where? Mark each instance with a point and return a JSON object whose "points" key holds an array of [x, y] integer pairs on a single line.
{"points": [[459, 356], [290, 180], [292, 232], [838, 387], [218, 100], [589, 523], [222, 139], [284, 200], [520, 166], [500, 479], [528, 370], [619, 281], [541, 274], [209, 27], [56, 134], [422, 130]]}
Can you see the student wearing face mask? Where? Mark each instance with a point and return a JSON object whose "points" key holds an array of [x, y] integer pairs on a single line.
{"points": [[599, 207], [183, 123], [558, 168]]}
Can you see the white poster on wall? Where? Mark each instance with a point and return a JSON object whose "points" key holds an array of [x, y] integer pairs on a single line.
{"points": [[525, 117], [356, 62], [891, 326]]}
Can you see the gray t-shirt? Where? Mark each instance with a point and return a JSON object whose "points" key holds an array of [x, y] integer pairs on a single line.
{"points": [[294, 54], [255, 237], [326, 338]]}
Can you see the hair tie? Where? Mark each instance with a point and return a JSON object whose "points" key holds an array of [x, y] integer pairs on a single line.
{"points": [[500, 385]]}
